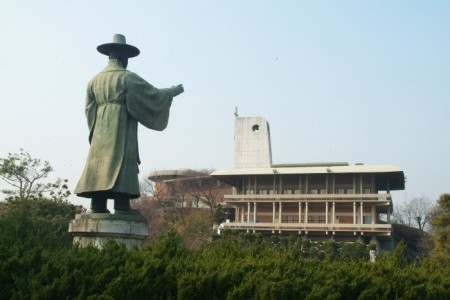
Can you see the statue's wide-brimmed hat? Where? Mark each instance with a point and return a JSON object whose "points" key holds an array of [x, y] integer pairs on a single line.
{"points": [[119, 43]]}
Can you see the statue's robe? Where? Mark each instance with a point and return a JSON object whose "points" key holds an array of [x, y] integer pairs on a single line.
{"points": [[116, 101]]}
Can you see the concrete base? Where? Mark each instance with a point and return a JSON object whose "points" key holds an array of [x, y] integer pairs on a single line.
{"points": [[97, 228]]}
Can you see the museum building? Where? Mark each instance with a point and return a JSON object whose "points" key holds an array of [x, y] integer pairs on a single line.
{"points": [[321, 201]]}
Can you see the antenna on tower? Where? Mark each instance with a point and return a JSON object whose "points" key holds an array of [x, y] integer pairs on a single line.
{"points": [[236, 112]]}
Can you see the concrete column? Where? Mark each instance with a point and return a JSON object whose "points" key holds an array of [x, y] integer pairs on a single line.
{"points": [[248, 212], [333, 184], [306, 212], [274, 184], [333, 215], [360, 184], [362, 212], [389, 216], [373, 214], [236, 209], [273, 212], [354, 212], [354, 183], [306, 185], [281, 185], [281, 213], [242, 214], [300, 183], [254, 212], [326, 212], [375, 241], [299, 212]]}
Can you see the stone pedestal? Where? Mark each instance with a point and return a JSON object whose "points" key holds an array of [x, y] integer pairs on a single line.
{"points": [[97, 228]]}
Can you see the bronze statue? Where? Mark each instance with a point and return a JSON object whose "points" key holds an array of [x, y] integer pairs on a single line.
{"points": [[116, 101]]}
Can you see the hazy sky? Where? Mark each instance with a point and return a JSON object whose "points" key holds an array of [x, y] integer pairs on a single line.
{"points": [[356, 81]]}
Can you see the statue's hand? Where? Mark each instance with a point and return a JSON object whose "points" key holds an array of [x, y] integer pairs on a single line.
{"points": [[177, 89]]}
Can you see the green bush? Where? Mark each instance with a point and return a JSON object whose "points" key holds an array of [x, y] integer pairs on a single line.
{"points": [[37, 261]]}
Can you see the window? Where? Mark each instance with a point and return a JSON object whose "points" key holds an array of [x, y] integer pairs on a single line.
{"points": [[323, 191], [314, 191], [297, 192], [350, 191], [263, 192], [367, 191], [340, 191], [288, 191]]}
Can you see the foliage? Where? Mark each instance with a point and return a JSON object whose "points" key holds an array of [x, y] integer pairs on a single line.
{"points": [[25, 175], [235, 266], [441, 228], [219, 215], [36, 223], [29, 230]]}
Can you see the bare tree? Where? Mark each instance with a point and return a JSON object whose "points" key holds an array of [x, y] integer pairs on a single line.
{"points": [[416, 213], [145, 202], [153, 207], [179, 197], [209, 191]]}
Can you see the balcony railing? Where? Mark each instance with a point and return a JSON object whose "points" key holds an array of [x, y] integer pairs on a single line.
{"points": [[308, 197], [309, 227]]}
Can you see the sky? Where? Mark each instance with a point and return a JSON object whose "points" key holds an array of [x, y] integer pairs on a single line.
{"points": [[354, 81]]}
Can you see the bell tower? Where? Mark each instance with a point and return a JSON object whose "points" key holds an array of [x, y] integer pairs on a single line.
{"points": [[252, 147]]}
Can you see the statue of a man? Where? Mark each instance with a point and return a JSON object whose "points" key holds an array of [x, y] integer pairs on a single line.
{"points": [[116, 101]]}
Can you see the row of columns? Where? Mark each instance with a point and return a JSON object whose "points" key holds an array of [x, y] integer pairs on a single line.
{"points": [[241, 212], [250, 183]]}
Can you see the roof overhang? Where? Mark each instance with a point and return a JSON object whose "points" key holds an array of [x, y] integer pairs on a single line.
{"points": [[383, 173], [163, 175]]}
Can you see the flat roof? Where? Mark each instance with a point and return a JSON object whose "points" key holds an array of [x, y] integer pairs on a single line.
{"points": [[161, 175], [393, 173]]}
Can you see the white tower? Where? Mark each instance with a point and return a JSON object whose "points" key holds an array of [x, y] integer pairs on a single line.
{"points": [[252, 143]]}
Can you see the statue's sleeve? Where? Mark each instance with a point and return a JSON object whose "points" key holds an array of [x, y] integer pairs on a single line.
{"points": [[90, 110], [150, 106]]}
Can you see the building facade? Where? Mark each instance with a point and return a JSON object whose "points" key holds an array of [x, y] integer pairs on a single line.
{"points": [[319, 200]]}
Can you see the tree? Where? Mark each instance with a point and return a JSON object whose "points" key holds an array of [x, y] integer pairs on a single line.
{"points": [[35, 224], [144, 202], [208, 190], [25, 174], [414, 213], [441, 228]]}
